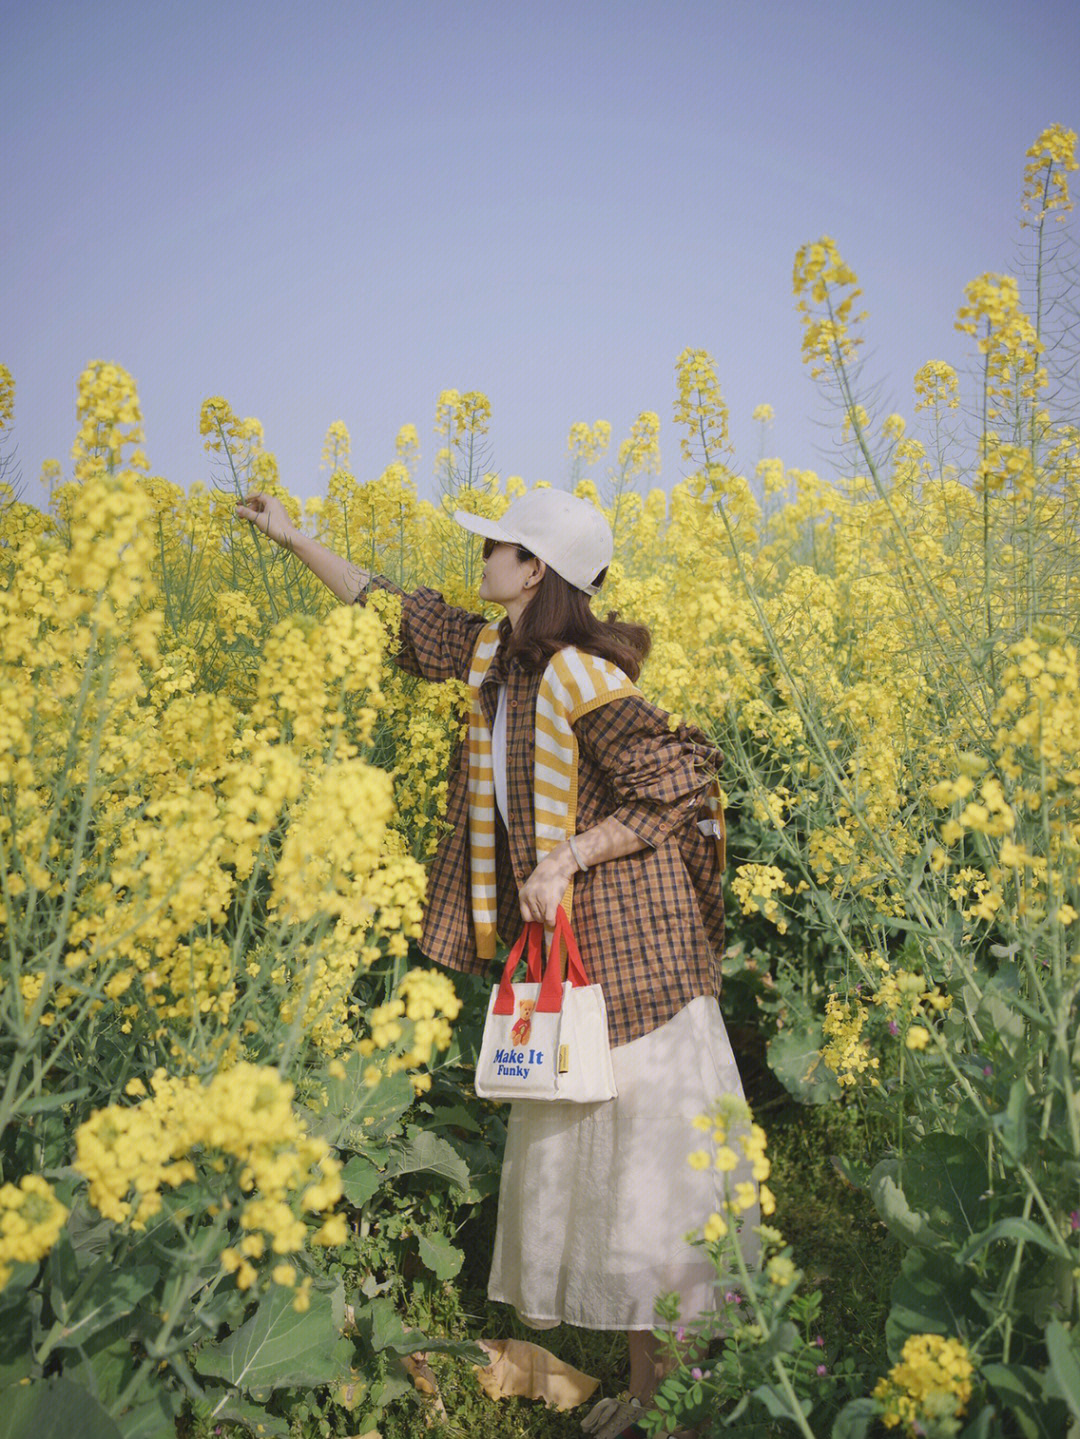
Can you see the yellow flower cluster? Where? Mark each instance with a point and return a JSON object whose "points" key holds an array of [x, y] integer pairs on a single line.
{"points": [[457, 414], [337, 448], [1006, 337], [7, 397], [847, 1051], [770, 472], [427, 1002], [700, 407], [586, 443], [240, 1124], [827, 289], [639, 453], [1046, 185], [931, 1383], [225, 432], [902, 992], [207, 742], [756, 887], [1028, 820], [31, 1218], [737, 1141], [110, 422], [936, 385], [235, 615]]}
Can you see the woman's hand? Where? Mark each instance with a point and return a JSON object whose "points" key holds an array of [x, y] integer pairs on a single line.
{"points": [[268, 514], [543, 891]]}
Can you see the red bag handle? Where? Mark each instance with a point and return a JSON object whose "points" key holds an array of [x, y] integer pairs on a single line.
{"points": [[575, 967], [549, 1000], [531, 935]]}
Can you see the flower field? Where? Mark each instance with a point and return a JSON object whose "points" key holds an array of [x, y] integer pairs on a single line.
{"points": [[240, 1153]]}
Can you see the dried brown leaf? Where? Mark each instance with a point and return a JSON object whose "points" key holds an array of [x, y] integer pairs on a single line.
{"points": [[518, 1367]]}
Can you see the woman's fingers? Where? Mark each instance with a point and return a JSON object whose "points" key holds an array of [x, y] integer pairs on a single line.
{"points": [[251, 507], [267, 514], [539, 906]]}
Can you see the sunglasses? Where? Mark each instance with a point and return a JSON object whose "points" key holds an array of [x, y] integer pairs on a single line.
{"points": [[489, 550]]}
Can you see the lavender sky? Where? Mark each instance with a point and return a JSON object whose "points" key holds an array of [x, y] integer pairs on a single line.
{"points": [[336, 210]]}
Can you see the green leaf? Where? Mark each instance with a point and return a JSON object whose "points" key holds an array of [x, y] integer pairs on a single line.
{"points": [[254, 1418], [1062, 1346], [278, 1347], [154, 1418], [381, 1325], [387, 1390], [854, 1171], [360, 1179], [357, 1114], [932, 1197], [88, 1232], [1015, 1227], [1022, 1392], [995, 1015], [54, 1409], [945, 1176], [82, 1312], [18, 1325], [440, 1256], [105, 1364], [1012, 1124], [930, 1295], [14, 1293], [42, 1103], [854, 1420], [388, 1331], [794, 1057], [453, 1116], [430, 1154], [983, 1424], [904, 1223], [782, 1340], [778, 1404]]}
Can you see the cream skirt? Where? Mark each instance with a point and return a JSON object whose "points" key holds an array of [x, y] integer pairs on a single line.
{"points": [[596, 1200]]}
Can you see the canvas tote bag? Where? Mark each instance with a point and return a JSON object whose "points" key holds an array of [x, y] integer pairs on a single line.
{"points": [[545, 1038]]}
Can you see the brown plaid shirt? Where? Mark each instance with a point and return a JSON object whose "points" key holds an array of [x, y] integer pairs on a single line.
{"points": [[650, 925]]}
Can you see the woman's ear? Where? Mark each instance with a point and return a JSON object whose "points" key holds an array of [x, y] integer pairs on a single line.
{"points": [[536, 573]]}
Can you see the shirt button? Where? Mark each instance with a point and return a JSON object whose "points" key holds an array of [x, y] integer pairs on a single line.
{"points": [[513, 704]]}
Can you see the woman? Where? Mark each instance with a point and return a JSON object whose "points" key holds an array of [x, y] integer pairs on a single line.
{"points": [[595, 1200]]}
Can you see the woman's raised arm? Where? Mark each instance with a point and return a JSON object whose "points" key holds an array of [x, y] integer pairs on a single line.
{"points": [[268, 514]]}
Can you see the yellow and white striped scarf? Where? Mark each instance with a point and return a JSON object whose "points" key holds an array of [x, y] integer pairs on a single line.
{"points": [[573, 683]]}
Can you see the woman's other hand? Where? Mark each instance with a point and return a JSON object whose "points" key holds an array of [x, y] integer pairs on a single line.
{"points": [[268, 514], [544, 890]]}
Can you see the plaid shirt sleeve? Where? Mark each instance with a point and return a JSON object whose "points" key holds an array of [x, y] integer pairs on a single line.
{"points": [[436, 639], [659, 776]]}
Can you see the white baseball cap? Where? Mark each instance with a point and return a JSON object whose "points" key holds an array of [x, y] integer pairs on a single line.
{"points": [[569, 534]]}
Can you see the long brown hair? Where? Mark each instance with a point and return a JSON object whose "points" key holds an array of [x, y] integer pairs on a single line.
{"points": [[558, 614]]}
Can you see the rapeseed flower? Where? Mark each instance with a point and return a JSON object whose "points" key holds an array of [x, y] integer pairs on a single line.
{"points": [[31, 1218], [931, 1382]]}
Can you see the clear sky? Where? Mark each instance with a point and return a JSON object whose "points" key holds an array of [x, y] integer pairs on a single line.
{"points": [[335, 210]]}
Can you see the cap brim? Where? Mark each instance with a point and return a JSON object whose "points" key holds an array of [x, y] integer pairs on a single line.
{"points": [[481, 525]]}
